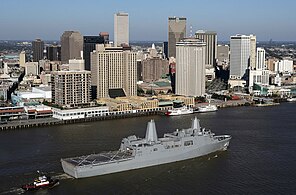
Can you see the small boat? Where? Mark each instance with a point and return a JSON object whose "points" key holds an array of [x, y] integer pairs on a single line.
{"points": [[43, 181], [179, 111], [207, 108], [291, 99]]}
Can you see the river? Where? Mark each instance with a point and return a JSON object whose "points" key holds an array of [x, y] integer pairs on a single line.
{"points": [[260, 160]]}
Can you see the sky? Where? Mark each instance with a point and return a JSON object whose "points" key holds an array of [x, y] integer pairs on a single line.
{"points": [[30, 19]]}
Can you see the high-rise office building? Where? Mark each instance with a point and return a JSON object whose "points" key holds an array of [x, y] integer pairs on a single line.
{"points": [[260, 62], [22, 60], [105, 36], [165, 50], [210, 38], [222, 54], [71, 88], [38, 49], [71, 46], [121, 29], [114, 69], [190, 67], [154, 68], [253, 43], [53, 52], [239, 55], [177, 31], [89, 45]]}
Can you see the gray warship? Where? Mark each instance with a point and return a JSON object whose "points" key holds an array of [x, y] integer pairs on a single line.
{"points": [[135, 153]]}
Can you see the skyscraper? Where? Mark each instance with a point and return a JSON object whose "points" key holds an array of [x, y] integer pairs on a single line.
{"points": [[260, 62], [223, 54], [190, 67], [53, 52], [177, 31], [114, 68], [71, 88], [89, 45], [253, 51], [210, 38], [37, 48], [239, 55], [121, 29], [22, 58], [71, 46], [165, 50], [105, 36], [154, 68]]}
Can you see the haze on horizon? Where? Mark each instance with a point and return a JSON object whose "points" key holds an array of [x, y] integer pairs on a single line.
{"points": [[267, 19]]}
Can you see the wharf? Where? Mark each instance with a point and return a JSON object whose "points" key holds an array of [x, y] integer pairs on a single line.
{"points": [[22, 124]]}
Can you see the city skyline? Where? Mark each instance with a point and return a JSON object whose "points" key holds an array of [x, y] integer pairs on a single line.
{"points": [[148, 20]]}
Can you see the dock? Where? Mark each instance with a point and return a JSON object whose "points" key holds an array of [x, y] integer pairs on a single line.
{"points": [[31, 123]]}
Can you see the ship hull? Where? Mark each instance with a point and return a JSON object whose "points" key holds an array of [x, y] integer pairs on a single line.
{"points": [[161, 157]]}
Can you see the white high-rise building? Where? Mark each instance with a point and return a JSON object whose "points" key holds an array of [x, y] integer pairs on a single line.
{"points": [[190, 67], [113, 68], [284, 66], [253, 43], [239, 55], [22, 58], [121, 29], [260, 62]]}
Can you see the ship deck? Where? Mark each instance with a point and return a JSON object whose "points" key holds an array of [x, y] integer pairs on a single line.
{"points": [[101, 158]]}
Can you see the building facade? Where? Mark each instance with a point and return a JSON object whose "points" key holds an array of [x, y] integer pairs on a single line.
{"points": [[284, 66], [223, 56], [89, 45], [258, 77], [210, 38], [38, 50], [154, 68], [71, 88], [190, 67], [71, 46], [53, 52], [239, 55], [253, 43], [177, 31], [114, 68], [165, 50], [22, 60], [260, 59], [121, 29]]}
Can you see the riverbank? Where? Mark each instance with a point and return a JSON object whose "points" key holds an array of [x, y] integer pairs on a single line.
{"points": [[23, 124]]}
